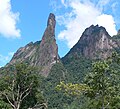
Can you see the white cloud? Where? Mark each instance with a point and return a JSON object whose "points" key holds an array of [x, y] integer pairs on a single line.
{"points": [[82, 15], [8, 20], [108, 22], [5, 59]]}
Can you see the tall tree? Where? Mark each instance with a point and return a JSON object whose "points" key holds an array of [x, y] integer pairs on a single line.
{"points": [[104, 84], [20, 88]]}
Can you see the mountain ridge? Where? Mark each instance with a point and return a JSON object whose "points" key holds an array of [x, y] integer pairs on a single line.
{"points": [[95, 43], [41, 54]]}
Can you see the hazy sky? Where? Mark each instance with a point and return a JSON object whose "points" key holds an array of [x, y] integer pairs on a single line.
{"points": [[23, 21]]}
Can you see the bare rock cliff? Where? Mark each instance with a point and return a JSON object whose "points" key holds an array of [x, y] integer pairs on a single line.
{"points": [[41, 54], [95, 43]]}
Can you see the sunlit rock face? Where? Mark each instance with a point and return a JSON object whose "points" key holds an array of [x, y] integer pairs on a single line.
{"points": [[41, 54], [95, 43]]}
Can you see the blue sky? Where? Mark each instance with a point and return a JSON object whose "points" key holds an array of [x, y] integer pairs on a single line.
{"points": [[23, 21]]}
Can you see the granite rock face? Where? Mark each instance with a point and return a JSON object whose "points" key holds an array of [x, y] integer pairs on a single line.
{"points": [[41, 54], [48, 49], [95, 43]]}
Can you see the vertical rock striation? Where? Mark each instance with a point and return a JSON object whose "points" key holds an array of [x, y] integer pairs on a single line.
{"points": [[41, 54], [48, 50], [95, 43]]}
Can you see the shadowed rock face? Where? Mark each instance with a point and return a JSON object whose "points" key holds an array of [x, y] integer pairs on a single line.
{"points": [[48, 50], [118, 32], [48, 47], [95, 43], [42, 54]]}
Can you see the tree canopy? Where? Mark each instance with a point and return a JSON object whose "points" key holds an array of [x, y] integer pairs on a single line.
{"points": [[101, 85], [20, 87]]}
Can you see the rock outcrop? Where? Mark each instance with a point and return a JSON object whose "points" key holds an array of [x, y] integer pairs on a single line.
{"points": [[95, 43], [41, 54]]}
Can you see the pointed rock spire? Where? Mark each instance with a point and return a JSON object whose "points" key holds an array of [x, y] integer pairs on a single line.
{"points": [[51, 20], [48, 48], [42, 54]]}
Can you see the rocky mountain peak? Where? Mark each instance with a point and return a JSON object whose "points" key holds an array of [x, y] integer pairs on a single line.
{"points": [[95, 30], [51, 20], [95, 43], [48, 48], [41, 54]]}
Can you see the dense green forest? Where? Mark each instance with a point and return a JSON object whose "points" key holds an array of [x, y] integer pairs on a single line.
{"points": [[77, 83]]}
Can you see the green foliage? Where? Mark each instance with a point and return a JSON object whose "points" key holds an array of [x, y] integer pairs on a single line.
{"points": [[77, 66], [77, 92], [101, 85], [55, 99], [76, 104], [20, 86], [72, 89], [101, 88], [4, 105], [104, 84]]}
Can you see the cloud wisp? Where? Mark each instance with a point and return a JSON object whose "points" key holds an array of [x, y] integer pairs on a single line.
{"points": [[5, 59], [82, 14], [8, 20]]}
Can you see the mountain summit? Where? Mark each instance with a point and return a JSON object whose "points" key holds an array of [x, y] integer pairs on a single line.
{"points": [[41, 54], [95, 43]]}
